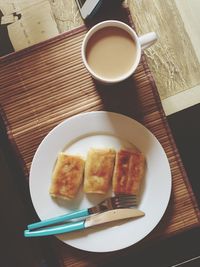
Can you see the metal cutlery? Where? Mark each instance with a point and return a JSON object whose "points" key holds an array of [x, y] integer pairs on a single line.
{"points": [[100, 218], [117, 202]]}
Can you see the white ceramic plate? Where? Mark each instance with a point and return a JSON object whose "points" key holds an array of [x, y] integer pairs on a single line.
{"points": [[102, 129]]}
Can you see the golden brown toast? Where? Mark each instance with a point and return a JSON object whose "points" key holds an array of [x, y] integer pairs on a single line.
{"points": [[99, 170], [128, 172], [67, 176]]}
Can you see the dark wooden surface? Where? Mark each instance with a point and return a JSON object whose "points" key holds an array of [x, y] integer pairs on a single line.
{"points": [[185, 126], [16, 205], [16, 212]]}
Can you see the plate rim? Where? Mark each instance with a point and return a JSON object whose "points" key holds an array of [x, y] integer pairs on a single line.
{"points": [[115, 114]]}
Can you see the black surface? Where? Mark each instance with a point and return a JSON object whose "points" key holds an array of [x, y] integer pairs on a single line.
{"points": [[170, 252], [16, 213], [5, 43], [185, 126]]}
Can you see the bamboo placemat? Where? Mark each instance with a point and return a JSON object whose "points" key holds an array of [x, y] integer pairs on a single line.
{"points": [[43, 85]]}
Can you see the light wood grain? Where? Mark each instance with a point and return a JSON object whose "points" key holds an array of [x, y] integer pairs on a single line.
{"points": [[182, 100], [172, 59], [189, 11], [66, 14]]}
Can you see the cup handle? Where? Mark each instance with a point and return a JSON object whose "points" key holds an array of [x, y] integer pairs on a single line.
{"points": [[147, 40]]}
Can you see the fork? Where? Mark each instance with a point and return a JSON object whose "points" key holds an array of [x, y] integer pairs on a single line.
{"points": [[117, 202]]}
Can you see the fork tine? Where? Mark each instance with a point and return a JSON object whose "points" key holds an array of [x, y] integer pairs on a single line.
{"points": [[120, 201], [125, 201], [126, 196]]}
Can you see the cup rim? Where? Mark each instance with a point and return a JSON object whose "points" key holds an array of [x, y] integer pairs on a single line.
{"points": [[104, 24]]}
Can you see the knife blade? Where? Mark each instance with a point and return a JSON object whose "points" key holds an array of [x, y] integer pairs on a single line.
{"points": [[101, 218]]}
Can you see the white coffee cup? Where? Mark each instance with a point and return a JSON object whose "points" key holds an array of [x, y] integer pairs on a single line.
{"points": [[140, 43]]}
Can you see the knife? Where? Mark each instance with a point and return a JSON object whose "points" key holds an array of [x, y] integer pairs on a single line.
{"points": [[104, 217]]}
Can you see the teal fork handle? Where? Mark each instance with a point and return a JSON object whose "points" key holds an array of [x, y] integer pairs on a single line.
{"points": [[59, 219], [55, 230]]}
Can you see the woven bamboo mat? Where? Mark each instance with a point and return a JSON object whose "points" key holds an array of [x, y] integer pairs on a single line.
{"points": [[43, 85]]}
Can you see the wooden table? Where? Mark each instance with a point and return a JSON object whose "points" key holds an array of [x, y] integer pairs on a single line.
{"points": [[175, 59], [65, 21]]}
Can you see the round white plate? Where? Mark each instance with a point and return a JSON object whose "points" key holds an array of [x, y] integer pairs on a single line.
{"points": [[102, 129]]}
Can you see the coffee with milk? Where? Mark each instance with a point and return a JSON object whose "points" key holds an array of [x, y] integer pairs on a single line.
{"points": [[111, 52]]}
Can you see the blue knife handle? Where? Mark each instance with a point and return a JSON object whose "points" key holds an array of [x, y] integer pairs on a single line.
{"points": [[59, 219], [54, 230]]}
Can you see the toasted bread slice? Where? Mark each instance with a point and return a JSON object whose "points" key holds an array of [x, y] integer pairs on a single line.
{"points": [[67, 176], [129, 172], [99, 170]]}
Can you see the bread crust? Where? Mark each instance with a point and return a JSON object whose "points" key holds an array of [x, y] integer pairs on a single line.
{"points": [[99, 170], [128, 172], [67, 176]]}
